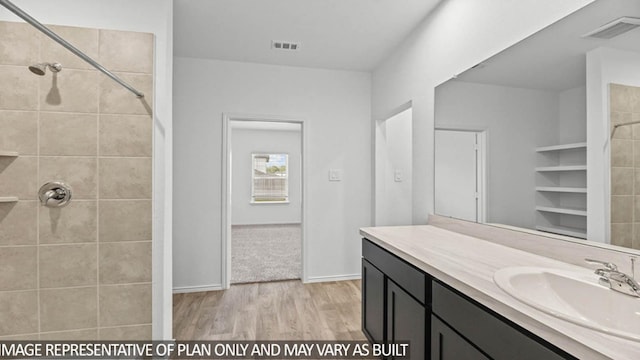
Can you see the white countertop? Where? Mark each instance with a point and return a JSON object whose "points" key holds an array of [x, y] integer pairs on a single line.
{"points": [[467, 264]]}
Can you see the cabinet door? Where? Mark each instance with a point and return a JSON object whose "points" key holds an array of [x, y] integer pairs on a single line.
{"points": [[372, 302], [446, 344], [406, 320]]}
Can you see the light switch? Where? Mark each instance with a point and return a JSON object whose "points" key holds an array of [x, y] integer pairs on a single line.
{"points": [[335, 175], [398, 176]]}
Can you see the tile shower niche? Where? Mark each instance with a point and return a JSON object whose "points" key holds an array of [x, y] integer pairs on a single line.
{"points": [[82, 271]]}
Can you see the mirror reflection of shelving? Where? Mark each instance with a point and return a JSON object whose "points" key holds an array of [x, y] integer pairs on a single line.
{"points": [[561, 189]]}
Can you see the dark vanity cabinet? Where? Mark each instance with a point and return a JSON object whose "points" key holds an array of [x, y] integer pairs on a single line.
{"points": [[401, 303]]}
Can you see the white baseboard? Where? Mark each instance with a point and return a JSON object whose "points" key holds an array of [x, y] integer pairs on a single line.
{"points": [[315, 279], [199, 288]]}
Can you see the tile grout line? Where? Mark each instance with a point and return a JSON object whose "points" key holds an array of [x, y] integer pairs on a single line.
{"points": [[38, 294], [98, 122]]}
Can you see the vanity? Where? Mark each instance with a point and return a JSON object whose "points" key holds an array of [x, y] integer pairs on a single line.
{"points": [[435, 288]]}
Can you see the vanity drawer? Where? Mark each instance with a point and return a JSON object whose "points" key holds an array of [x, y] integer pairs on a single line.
{"points": [[405, 275], [495, 337]]}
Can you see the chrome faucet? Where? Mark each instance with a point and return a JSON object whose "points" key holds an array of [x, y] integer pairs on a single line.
{"points": [[614, 279]]}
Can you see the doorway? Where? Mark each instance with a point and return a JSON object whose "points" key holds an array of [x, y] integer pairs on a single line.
{"points": [[263, 213], [459, 174]]}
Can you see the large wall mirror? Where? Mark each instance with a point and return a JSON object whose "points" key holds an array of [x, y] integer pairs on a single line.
{"points": [[545, 136]]}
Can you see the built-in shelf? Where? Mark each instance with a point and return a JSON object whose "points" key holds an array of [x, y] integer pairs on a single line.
{"points": [[8, 153], [562, 189], [568, 211], [564, 230], [8, 199], [562, 168], [562, 147]]}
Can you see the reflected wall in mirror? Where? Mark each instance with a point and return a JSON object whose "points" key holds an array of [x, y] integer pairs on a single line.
{"points": [[543, 106]]}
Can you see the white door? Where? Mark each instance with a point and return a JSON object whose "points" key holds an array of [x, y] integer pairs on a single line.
{"points": [[457, 181]]}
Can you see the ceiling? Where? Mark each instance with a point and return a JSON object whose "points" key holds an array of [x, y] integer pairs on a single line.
{"points": [[334, 34], [554, 58]]}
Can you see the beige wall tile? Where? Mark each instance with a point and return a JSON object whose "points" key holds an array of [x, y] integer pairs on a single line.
{"points": [[74, 335], [19, 131], [126, 333], [18, 43], [75, 223], [68, 265], [68, 309], [622, 234], [115, 99], [125, 135], [69, 91], [79, 173], [18, 312], [620, 96], [124, 220], [636, 153], [635, 127], [125, 262], [125, 178], [84, 39], [635, 99], [18, 177], [621, 153], [18, 223], [636, 237], [622, 132], [24, 337], [68, 134], [125, 305], [126, 51], [18, 268], [621, 209], [22, 97], [622, 181]]}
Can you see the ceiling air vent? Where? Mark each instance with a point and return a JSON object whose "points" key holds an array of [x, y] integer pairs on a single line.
{"points": [[614, 28], [285, 45]]}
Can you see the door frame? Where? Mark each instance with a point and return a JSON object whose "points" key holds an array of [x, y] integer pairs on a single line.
{"points": [[481, 170], [226, 187]]}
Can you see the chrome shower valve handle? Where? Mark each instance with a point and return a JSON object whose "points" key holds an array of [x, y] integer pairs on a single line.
{"points": [[55, 194]]}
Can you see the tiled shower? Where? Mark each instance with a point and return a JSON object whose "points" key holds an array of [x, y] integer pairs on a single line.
{"points": [[82, 271], [625, 166]]}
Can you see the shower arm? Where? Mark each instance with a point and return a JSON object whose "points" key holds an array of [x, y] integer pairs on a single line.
{"points": [[45, 30]]}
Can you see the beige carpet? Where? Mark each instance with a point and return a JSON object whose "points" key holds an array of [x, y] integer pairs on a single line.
{"points": [[265, 253]]}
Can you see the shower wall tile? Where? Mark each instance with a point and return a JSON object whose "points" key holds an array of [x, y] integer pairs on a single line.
{"points": [[125, 305], [68, 265], [115, 99], [623, 132], [18, 223], [622, 153], [126, 333], [622, 181], [68, 134], [77, 172], [75, 223], [621, 209], [125, 262], [83, 38], [19, 313], [125, 135], [68, 309], [18, 268], [74, 335], [125, 220], [622, 234], [620, 98], [69, 91], [22, 337], [126, 51], [22, 97], [19, 131], [635, 100], [125, 178], [18, 177], [18, 43]]}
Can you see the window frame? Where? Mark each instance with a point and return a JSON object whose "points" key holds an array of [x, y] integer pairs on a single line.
{"points": [[253, 178]]}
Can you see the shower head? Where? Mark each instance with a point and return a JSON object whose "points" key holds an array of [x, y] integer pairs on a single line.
{"points": [[39, 69]]}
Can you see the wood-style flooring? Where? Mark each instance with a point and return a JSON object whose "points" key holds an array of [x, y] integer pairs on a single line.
{"points": [[283, 310]]}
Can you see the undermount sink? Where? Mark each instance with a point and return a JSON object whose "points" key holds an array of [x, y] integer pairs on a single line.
{"points": [[573, 296]]}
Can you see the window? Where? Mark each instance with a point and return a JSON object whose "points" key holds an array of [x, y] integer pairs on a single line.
{"points": [[270, 178]]}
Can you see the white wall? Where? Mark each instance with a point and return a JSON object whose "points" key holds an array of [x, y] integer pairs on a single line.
{"points": [[151, 16], [245, 142], [393, 152], [456, 36], [572, 115], [604, 66], [336, 108], [516, 121]]}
